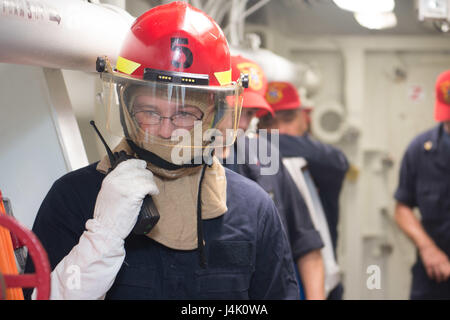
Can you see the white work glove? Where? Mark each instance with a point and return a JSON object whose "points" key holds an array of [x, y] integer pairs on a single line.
{"points": [[89, 270], [120, 198]]}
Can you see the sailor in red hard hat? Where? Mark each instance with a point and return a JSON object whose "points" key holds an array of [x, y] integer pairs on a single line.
{"points": [[171, 97], [442, 104], [326, 165], [424, 182], [283, 96], [304, 239], [253, 96]]}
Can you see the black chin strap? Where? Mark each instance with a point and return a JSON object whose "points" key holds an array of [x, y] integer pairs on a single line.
{"points": [[154, 159], [158, 161], [200, 236], [200, 244]]}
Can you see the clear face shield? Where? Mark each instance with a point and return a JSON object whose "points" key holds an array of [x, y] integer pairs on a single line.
{"points": [[170, 113]]}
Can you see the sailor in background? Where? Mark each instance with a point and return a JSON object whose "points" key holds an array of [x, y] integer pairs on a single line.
{"points": [[219, 235], [424, 182], [326, 168], [262, 163]]}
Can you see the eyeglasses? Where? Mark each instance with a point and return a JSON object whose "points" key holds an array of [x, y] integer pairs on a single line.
{"points": [[179, 119]]}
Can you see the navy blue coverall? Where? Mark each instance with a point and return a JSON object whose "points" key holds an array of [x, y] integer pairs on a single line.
{"points": [[247, 251], [425, 183]]}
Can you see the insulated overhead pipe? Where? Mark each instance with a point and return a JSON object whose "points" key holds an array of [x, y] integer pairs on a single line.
{"points": [[67, 34]]}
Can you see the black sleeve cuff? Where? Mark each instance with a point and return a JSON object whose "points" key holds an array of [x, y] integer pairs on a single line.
{"points": [[405, 197], [309, 241]]}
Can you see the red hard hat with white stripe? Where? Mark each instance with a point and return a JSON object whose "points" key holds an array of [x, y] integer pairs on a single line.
{"points": [[173, 72], [177, 39]]}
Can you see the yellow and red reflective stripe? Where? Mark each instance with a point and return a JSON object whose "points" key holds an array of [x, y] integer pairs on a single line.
{"points": [[223, 77], [126, 66]]}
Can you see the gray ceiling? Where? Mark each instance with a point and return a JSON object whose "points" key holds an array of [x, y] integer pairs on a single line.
{"points": [[323, 17]]}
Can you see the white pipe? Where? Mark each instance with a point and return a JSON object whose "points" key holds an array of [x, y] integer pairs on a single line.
{"points": [[276, 68], [67, 34], [197, 4], [255, 7], [221, 12], [209, 5], [235, 21], [217, 10], [241, 21], [117, 3]]}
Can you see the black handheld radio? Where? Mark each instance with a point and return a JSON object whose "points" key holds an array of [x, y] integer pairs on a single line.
{"points": [[149, 215]]}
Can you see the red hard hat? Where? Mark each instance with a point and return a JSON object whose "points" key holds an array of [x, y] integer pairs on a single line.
{"points": [[442, 105], [177, 38], [172, 77], [281, 96], [253, 96]]}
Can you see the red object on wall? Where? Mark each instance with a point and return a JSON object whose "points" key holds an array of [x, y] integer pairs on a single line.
{"points": [[41, 278]]}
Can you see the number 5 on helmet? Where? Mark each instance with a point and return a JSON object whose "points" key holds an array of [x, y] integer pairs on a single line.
{"points": [[174, 62]]}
